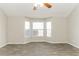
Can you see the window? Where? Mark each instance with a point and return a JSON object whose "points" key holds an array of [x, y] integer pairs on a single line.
{"points": [[48, 28], [27, 28], [38, 29], [27, 25], [38, 25]]}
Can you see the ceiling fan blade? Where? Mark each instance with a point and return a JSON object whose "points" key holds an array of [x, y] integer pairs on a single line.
{"points": [[48, 5]]}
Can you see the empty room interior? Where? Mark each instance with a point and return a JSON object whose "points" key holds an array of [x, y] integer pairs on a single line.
{"points": [[33, 29]]}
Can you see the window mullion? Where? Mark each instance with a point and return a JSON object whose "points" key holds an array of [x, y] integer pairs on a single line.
{"points": [[31, 28], [44, 29]]}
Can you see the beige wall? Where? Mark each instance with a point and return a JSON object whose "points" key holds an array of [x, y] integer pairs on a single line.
{"points": [[73, 21], [64, 30], [3, 29], [16, 31]]}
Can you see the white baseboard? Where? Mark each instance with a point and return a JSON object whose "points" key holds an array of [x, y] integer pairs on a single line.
{"points": [[3, 45], [33, 41], [17, 42], [74, 45], [55, 42]]}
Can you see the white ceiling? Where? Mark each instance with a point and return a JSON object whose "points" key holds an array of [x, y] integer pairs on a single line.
{"points": [[25, 9]]}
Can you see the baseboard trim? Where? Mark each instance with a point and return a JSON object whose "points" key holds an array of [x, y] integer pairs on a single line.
{"points": [[56, 42], [33, 41], [3, 45], [73, 45]]}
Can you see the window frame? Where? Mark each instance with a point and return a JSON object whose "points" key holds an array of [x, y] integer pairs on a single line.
{"points": [[44, 30]]}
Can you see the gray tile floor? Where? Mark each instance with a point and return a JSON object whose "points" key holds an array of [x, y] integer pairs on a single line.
{"points": [[39, 49]]}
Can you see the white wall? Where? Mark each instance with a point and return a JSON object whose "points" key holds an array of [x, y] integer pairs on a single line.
{"points": [[73, 22], [16, 31], [3, 32]]}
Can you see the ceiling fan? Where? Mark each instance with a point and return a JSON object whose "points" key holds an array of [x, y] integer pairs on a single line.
{"points": [[43, 4]]}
